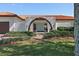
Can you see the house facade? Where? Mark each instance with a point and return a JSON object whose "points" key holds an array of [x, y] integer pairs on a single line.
{"points": [[10, 22]]}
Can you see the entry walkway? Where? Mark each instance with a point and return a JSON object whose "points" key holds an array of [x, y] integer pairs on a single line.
{"points": [[38, 35]]}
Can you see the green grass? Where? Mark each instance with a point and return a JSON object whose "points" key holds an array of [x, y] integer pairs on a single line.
{"points": [[43, 48]]}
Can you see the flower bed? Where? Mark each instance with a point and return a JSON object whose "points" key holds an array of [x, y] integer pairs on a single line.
{"points": [[12, 37], [8, 41]]}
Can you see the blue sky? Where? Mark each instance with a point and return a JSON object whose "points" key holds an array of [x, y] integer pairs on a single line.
{"points": [[39, 8]]}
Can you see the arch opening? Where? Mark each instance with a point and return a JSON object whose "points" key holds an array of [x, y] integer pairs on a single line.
{"points": [[40, 25]]}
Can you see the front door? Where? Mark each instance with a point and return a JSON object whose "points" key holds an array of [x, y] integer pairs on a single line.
{"points": [[40, 27]]}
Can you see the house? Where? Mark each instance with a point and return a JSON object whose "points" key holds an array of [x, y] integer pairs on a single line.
{"points": [[35, 23]]}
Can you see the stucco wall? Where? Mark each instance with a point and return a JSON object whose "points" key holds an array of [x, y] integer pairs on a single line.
{"points": [[14, 23], [65, 23]]}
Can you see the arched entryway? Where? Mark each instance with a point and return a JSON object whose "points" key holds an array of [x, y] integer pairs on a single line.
{"points": [[40, 25]]}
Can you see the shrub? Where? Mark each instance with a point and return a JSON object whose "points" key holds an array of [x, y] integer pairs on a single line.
{"points": [[2, 32], [20, 34], [6, 41], [58, 33], [65, 28], [1, 41], [29, 33]]}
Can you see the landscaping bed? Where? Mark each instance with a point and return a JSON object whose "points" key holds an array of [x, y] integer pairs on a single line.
{"points": [[54, 43], [60, 32], [15, 36], [49, 47]]}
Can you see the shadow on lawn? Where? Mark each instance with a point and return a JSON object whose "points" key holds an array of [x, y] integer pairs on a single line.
{"points": [[41, 49]]}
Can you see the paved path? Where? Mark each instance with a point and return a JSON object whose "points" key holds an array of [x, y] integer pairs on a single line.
{"points": [[38, 36]]}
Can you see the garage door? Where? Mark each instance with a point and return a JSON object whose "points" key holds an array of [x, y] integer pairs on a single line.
{"points": [[4, 27]]}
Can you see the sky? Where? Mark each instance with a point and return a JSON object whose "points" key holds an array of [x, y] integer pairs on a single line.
{"points": [[38, 8]]}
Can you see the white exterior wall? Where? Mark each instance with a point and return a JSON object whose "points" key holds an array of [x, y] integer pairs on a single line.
{"points": [[65, 23], [15, 24], [20, 26]]}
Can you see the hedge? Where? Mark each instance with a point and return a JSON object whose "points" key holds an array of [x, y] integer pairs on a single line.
{"points": [[9, 40], [65, 28], [57, 33], [6, 41]]}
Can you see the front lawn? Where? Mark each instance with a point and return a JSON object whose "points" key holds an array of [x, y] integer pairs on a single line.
{"points": [[53, 47]]}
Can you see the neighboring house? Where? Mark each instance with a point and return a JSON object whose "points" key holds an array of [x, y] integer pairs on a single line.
{"points": [[35, 23]]}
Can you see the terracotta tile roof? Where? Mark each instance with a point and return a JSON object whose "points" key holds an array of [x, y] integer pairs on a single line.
{"points": [[6, 13], [62, 17], [23, 17], [9, 14], [58, 17]]}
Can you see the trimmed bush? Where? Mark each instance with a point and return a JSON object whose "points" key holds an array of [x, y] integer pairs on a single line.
{"points": [[19, 36], [6, 41], [58, 33], [65, 28]]}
